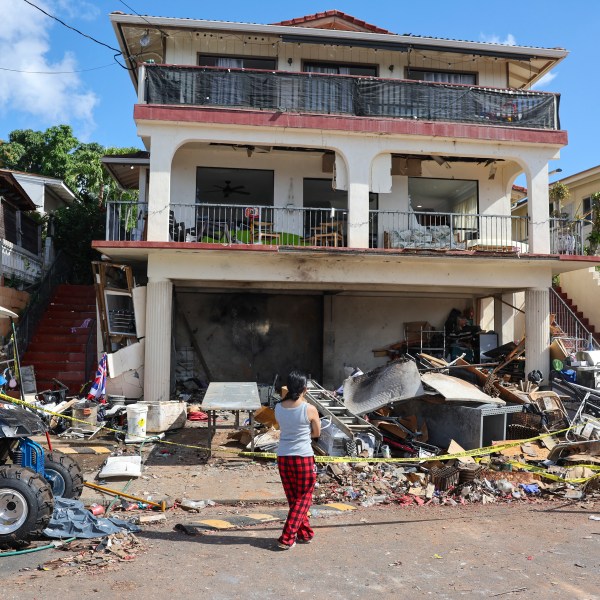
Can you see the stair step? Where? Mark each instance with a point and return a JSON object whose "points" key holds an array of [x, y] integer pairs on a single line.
{"points": [[60, 338], [50, 346], [49, 374], [53, 356]]}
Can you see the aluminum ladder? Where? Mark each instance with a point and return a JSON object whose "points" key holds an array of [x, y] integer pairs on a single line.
{"points": [[333, 408]]}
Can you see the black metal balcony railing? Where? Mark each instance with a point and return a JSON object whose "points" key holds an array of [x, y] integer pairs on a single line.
{"points": [[349, 95], [305, 227], [566, 237]]}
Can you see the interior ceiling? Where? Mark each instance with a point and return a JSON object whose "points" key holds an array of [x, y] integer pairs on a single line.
{"points": [[438, 194]]}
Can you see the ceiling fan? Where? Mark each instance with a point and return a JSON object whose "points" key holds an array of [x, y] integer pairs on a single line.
{"points": [[228, 189]]}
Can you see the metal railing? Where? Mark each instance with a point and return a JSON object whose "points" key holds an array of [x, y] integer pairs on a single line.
{"points": [[19, 263], [344, 94], [566, 237], [575, 335], [91, 351], [446, 231], [299, 226], [126, 221], [58, 273]]}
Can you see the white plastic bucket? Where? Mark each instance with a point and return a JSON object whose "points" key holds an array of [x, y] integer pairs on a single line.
{"points": [[137, 416]]}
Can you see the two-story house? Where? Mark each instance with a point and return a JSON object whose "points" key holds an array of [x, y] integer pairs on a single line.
{"points": [[313, 185]]}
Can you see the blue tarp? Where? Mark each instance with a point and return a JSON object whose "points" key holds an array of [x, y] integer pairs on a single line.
{"points": [[72, 519]]}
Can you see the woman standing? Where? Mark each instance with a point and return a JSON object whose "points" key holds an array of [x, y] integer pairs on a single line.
{"points": [[298, 422]]}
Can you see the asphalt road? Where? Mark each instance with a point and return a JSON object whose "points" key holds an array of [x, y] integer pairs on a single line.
{"points": [[535, 551]]}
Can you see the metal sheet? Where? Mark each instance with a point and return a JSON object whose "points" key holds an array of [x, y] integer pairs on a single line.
{"points": [[393, 382], [235, 395], [454, 389]]}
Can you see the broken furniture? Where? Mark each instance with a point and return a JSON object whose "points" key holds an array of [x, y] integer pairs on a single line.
{"points": [[329, 406], [420, 336], [114, 294], [393, 382], [230, 396], [471, 425]]}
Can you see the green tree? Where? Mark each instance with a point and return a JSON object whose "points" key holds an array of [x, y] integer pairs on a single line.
{"points": [[57, 153]]}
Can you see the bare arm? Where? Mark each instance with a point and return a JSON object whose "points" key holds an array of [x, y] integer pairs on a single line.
{"points": [[315, 422]]}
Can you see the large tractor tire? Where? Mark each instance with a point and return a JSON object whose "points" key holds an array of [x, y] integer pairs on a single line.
{"points": [[64, 475], [26, 505]]}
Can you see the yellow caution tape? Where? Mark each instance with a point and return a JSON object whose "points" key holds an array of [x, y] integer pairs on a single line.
{"points": [[544, 473], [477, 452]]}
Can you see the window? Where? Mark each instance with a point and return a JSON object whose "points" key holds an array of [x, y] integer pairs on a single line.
{"points": [[442, 76], [587, 210], [236, 62], [340, 69], [234, 186]]}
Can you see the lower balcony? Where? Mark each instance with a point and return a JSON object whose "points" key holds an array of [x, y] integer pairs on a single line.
{"points": [[312, 227]]}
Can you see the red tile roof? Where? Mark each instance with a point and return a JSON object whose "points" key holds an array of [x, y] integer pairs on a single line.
{"points": [[353, 21]]}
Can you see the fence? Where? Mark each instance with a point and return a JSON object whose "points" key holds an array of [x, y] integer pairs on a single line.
{"points": [[343, 94]]}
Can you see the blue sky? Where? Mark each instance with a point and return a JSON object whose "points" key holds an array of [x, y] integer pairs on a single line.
{"points": [[99, 103]]}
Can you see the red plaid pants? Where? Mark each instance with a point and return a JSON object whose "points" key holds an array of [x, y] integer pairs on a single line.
{"points": [[298, 477]]}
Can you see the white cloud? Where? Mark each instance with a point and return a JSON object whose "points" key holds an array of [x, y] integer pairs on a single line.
{"points": [[509, 40], [47, 99], [545, 80]]}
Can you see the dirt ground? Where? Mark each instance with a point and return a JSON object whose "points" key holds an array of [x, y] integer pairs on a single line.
{"points": [[540, 551]]}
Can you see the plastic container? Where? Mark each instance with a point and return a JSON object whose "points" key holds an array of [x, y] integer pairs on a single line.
{"points": [[85, 411], [137, 415], [165, 415]]}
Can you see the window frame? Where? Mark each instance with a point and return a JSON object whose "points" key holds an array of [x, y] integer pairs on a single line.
{"points": [[326, 63], [242, 57], [409, 70]]}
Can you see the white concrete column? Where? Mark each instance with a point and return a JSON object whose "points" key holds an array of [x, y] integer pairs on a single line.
{"points": [[538, 203], [359, 171], [504, 318], [159, 192], [537, 330], [157, 369]]}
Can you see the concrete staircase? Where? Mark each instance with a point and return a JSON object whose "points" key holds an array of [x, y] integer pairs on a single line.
{"points": [[570, 326], [58, 348]]}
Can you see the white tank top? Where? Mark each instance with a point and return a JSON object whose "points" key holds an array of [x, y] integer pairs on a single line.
{"points": [[295, 431]]}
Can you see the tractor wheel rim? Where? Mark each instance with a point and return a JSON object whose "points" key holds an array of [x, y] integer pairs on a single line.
{"points": [[57, 482], [13, 510]]}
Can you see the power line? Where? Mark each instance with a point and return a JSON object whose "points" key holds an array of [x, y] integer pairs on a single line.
{"points": [[72, 28], [141, 17], [56, 72]]}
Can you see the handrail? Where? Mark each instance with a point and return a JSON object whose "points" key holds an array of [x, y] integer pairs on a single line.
{"points": [[574, 329], [57, 273], [90, 353]]}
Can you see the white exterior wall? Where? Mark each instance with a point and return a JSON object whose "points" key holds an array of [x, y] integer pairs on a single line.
{"points": [[362, 323], [183, 48], [583, 287]]}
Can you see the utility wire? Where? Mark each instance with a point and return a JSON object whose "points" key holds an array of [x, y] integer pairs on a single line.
{"points": [[72, 28], [56, 72], [142, 17]]}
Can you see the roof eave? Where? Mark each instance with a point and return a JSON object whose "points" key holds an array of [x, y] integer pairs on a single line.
{"points": [[413, 41]]}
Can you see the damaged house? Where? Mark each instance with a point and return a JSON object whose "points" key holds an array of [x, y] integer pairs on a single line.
{"points": [[310, 187]]}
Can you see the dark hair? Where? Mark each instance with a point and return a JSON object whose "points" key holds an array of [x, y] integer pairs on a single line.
{"points": [[296, 384]]}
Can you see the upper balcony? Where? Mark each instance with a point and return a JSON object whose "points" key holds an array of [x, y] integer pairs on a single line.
{"points": [[371, 97]]}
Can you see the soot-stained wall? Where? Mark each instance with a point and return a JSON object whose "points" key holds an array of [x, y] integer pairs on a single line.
{"points": [[252, 337]]}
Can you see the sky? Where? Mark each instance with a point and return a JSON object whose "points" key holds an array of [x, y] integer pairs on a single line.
{"points": [[90, 91]]}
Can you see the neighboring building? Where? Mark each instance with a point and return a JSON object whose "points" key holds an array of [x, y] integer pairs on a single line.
{"points": [[315, 184]]}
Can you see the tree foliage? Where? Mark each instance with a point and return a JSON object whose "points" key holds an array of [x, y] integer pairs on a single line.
{"points": [[57, 153]]}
